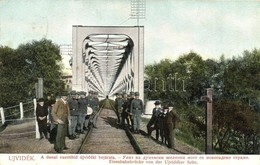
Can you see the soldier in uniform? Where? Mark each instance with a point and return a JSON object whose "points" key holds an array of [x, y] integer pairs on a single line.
{"points": [[173, 120], [41, 115], [154, 120], [61, 117], [137, 109], [116, 105], [83, 106], [130, 115], [74, 114], [119, 108], [125, 111], [94, 103]]}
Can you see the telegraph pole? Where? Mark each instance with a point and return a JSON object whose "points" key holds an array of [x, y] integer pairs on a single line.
{"points": [[208, 99], [138, 12]]}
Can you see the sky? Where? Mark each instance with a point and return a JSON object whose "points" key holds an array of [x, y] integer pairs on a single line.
{"points": [[172, 28]]}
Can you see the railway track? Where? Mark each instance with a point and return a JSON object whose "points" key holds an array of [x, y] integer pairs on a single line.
{"points": [[109, 138]]}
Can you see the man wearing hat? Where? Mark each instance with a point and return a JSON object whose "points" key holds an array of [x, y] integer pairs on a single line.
{"points": [[83, 106], [162, 124], [125, 110], [173, 120], [41, 115], [119, 107], [154, 120], [61, 117], [131, 97], [94, 103], [74, 114], [137, 108], [116, 106]]}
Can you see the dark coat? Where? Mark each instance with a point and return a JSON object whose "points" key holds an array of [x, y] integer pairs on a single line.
{"points": [[41, 111], [173, 119]]}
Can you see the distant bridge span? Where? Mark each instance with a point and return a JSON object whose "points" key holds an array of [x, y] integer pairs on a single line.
{"points": [[108, 59]]}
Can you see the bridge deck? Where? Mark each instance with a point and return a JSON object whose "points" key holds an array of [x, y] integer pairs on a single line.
{"points": [[108, 138]]}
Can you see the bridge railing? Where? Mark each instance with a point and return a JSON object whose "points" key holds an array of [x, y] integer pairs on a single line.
{"points": [[22, 111]]}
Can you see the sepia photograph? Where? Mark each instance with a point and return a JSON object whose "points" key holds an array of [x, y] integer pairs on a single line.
{"points": [[130, 82]]}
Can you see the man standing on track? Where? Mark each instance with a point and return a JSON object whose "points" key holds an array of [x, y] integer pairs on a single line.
{"points": [[83, 106], [125, 111], [94, 103], [116, 105], [154, 120], [173, 120], [137, 108], [119, 108], [130, 115], [61, 117], [74, 114]]}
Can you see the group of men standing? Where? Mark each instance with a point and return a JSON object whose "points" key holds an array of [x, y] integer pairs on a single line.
{"points": [[67, 116], [165, 121], [129, 109]]}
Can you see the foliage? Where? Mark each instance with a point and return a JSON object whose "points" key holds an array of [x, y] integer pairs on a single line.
{"points": [[21, 68], [236, 97], [235, 127]]}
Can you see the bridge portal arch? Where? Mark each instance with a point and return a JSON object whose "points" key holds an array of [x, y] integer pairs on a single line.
{"points": [[108, 59]]}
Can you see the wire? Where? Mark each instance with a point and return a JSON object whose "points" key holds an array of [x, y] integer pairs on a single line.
{"points": [[125, 20]]}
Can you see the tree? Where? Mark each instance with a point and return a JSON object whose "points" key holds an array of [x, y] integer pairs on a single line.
{"points": [[235, 127], [10, 77], [22, 67]]}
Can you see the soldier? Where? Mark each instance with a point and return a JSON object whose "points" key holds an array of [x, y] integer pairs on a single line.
{"points": [[116, 105], [61, 117], [130, 115], [94, 103], [137, 109], [41, 115], [154, 120], [83, 106], [74, 114], [162, 124], [125, 110], [173, 120], [119, 107]]}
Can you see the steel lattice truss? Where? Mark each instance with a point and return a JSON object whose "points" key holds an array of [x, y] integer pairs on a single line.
{"points": [[104, 56]]}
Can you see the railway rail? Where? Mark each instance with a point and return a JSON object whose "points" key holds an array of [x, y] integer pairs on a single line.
{"points": [[109, 138]]}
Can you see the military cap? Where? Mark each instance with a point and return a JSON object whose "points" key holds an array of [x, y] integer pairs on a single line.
{"points": [[132, 93], [165, 107], [64, 94], [40, 100], [82, 93], [137, 94], [73, 92], [157, 102]]}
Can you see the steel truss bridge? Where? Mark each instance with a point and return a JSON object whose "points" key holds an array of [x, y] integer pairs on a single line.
{"points": [[108, 60]]}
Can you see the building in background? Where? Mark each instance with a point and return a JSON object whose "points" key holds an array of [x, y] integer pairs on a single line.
{"points": [[66, 55]]}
